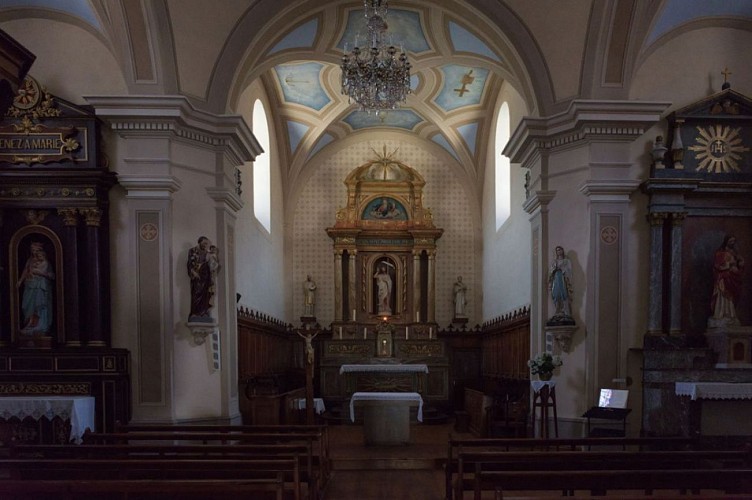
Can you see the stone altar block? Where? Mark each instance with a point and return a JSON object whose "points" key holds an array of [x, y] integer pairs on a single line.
{"points": [[733, 344], [386, 416]]}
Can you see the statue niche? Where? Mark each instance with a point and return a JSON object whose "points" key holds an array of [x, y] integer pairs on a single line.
{"points": [[383, 301]]}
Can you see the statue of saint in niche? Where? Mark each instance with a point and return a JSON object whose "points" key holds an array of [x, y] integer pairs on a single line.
{"points": [[37, 283], [384, 287], [728, 266]]}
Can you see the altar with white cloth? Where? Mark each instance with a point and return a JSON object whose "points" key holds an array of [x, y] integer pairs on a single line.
{"points": [[719, 407], [386, 377], [76, 411], [386, 415]]}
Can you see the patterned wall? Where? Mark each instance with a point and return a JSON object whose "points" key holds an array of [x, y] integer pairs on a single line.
{"points": [[443, 194]]}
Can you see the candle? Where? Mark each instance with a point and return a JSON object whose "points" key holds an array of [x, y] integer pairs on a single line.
{"points": [[365, 331], [417, 316], [430, 332], [340, 333], [407, 337], [353, 316]]}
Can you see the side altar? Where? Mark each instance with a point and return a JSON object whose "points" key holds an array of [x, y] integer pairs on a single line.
{"points": [[697, 352], [384, 246]]}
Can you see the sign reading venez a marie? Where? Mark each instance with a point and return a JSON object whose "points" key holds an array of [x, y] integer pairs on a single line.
{"points": [[384, 241], [43, 147]]}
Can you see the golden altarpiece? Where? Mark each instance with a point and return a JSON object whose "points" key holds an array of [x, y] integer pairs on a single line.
{"points": [[384, 243]]}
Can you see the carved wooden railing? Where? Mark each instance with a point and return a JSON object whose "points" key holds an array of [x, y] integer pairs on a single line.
{"points": [[506, 346], [265, 345]]}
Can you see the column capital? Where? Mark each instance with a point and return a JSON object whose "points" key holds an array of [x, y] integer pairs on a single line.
{"points": [[92, 215], [69, 216], [657, 218], [677, 218]]}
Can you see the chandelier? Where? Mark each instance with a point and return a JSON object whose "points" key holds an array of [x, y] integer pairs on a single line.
{"points": [[376, 78]]}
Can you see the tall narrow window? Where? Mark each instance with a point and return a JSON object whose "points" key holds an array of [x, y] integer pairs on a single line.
{"points": [[503, 185], [262, 180]]}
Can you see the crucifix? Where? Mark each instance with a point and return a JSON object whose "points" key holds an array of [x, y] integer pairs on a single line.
{"points": [[726, 74], [309, 358]]}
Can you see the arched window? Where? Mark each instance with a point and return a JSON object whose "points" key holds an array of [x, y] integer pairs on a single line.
{"points": [[262, 181], [503, 186]]}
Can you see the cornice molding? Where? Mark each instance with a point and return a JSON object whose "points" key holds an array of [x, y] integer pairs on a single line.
{"points": [[539, 200], [176, 116], [609, 191], [230, 199], [149, 187], [584, 120]]}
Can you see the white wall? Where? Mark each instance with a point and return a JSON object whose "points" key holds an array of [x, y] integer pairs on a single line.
{"points": [[506, 252], [260, 253]]}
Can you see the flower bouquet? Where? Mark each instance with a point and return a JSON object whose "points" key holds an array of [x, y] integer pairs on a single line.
{"points": [[543, 365]]}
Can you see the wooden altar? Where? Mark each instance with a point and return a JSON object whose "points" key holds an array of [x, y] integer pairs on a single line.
{"points": [[55, 270]]}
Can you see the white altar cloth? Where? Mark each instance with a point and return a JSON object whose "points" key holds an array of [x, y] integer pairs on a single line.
{"points": [[386, 396], [365, 368], [539, 384], [714, 390], [318, 405], [79, 410]]}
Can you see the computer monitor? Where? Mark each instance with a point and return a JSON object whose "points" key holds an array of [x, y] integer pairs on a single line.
{"points": [[613, 398]]}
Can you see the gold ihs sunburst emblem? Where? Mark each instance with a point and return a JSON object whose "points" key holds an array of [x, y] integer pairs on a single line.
{"points": [[718, 149]]}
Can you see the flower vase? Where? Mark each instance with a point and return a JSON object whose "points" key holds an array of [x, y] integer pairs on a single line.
{"points": [[545, 376]]}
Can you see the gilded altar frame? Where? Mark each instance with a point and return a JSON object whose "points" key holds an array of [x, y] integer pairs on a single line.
{"points": [[384, 222]]}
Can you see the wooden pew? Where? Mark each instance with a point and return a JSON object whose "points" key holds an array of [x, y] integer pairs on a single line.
{"points": [[506, 444], [477, 463], [239, 451], [727, 480], [314, 466], [321, 431], [131, 489], [284, 471]]}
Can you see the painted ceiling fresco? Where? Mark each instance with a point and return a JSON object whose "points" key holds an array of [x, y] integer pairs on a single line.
{"points": [[302, 36], [405, 30], [301, 84], [396, 118], [462, 86], [455, 65]]}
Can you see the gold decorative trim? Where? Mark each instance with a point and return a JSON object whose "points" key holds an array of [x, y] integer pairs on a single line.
{"points": [[33, 101], [36, 217], [68, 215], [420, 349], [718, 149], [343, 348], [37, 388], [93, 216]]}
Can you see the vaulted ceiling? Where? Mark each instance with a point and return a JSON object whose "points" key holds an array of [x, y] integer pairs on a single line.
{"points": [[464, 52]]}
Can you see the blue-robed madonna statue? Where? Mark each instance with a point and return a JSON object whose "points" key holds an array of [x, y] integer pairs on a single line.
{"points": [[560, 284], [37, 300]]}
